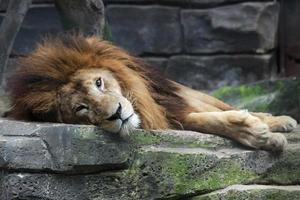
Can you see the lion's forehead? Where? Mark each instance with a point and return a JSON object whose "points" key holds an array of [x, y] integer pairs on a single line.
{"points": [[86, 79]]}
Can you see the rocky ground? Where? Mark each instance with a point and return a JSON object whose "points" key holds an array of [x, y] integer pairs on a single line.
{"points": [[279, 97], [59, 161]]}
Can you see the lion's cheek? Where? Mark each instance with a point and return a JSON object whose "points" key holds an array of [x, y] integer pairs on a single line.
{"points": [[135, 121]]}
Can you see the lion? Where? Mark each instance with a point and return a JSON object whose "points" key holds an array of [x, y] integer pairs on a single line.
{"points": [[86, 80]]}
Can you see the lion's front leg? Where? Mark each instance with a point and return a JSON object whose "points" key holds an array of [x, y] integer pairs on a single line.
{"points": [[238, 125], [277, 123]]}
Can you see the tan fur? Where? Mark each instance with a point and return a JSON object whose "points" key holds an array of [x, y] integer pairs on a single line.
{"points": [[59, 78]]}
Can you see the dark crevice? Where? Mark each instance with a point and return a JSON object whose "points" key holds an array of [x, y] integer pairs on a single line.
{"points": [[53, 159], [187, 196], [273, 183], [183, 4], [21, 136], [112, 168], [293, 59]]}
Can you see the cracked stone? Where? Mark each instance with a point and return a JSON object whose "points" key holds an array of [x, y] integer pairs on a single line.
{"points": [[253, 192], [62, 161], [245, 27]]}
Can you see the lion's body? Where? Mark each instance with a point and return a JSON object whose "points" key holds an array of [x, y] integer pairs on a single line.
{"points": [[56, 83]]}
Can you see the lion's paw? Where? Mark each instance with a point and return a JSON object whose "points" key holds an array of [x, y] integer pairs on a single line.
{"points": [[276, 142], [282, 124], [258, 135]]}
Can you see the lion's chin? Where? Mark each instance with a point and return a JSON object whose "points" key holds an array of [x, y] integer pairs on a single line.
{"points": [[132, 123], [124, 128]]}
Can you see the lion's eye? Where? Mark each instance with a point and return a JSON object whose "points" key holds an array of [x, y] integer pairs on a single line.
{"points": [[99, 83]]}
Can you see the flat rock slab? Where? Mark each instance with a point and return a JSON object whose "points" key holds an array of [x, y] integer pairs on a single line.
{"points": [[62, 161]]}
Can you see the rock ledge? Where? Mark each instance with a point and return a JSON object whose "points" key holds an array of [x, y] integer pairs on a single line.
{"points": [[60, 161]]}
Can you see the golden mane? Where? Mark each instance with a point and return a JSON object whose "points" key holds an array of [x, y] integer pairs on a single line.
{"points": [[41, 74]]}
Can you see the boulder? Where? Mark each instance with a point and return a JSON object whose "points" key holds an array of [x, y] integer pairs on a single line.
{"points": [[253, 192], [279, 97], [61, 161], [214, 71], [245, 27], [141, 30]]}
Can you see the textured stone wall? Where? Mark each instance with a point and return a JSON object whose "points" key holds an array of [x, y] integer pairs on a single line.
{"points": [[291, 38], [201, 43], [64, 162]]}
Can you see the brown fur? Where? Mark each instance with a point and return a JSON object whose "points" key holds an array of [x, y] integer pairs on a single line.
{"points": [[34, 85], [160, 103]]}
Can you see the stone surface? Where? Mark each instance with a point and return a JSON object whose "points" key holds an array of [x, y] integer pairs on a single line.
{"points": [[59, 161], [157, 63], [11, 67], [256, 192], [60, 148], [156, 33], [4, 102], [274, 96], [185, 3], [4, 3], [212, 72], [141, 30], [34, 28], [246, 27]]}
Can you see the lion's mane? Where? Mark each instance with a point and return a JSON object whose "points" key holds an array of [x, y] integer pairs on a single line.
{"points": [[35, 84]]}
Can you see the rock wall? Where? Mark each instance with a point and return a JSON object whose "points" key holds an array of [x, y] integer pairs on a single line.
{"points": [[227, 42], [59, 161], [290, 37]]}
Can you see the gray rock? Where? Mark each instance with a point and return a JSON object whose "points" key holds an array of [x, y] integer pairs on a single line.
{"points": [[254, 192], [141, 30], [246, 27], [157, 63], [185, 3], [290, 21], [33, 28], [60, 148], [212, 72], [159, 164], [11, 67], [4, 3], [279, 97], [4, 102]]}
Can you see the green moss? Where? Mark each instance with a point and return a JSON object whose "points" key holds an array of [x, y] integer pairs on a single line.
{"points": [[286, 171], [280, 97], [177, 173], [141, 137], [144, 137], [245, 92]]}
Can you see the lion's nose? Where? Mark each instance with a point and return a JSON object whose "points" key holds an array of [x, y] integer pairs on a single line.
{"points": [[117, 114]]}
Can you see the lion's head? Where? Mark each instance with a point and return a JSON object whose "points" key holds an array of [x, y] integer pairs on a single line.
{"points": [[94, 96], [87, 81]]}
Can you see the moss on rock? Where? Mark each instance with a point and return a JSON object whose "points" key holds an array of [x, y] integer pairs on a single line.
{"points": [[257, 192], [277, 97]]}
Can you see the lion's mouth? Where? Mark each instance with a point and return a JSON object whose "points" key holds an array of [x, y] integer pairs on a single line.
{"points": [[126, 120]]}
